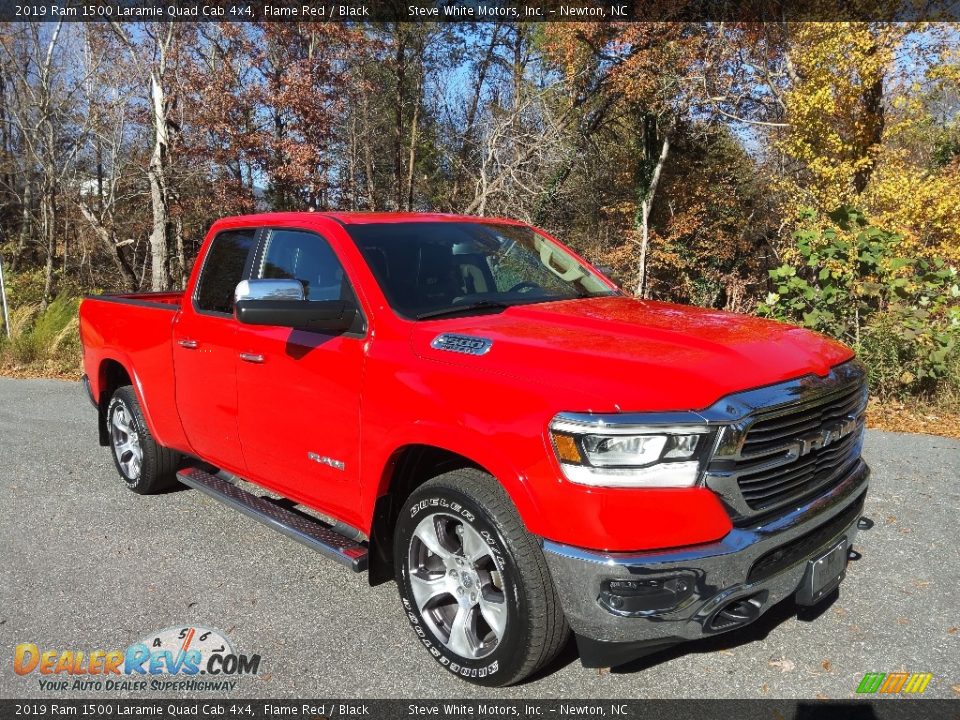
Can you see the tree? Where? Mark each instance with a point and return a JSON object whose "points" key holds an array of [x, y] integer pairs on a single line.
{"points": [[154, 51], [42, 115]]}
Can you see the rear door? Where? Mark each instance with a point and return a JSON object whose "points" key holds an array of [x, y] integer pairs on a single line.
{"points": [[299, 391], [204, 351]]}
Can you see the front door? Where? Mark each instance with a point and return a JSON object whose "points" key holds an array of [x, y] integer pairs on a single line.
{"points": [[299, 391], [204, 352]]}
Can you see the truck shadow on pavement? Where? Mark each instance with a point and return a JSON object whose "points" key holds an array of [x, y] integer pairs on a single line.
{"points": [[757, 630]]}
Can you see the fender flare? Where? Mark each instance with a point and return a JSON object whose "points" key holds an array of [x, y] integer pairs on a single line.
{"points": [[459, 440], [121, 359], [468, 444]]}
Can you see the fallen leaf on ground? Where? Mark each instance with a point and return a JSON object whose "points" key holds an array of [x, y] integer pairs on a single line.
{"points": [[912, 417], [783, 665]]}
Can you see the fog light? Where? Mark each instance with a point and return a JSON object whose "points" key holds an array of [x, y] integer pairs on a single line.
{"points": [[636, 596]]}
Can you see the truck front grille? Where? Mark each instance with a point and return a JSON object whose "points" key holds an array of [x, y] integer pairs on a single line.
{"points": [[789, 443], [803, 450]]}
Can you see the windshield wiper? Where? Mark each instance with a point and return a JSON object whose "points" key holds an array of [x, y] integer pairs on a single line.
{"points": [[457, 309]]}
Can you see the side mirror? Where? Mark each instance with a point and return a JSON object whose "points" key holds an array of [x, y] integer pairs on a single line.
{"points": [[281, 303]]}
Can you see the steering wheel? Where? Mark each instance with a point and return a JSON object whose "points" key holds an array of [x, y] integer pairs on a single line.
{"points": [[525, 285]]}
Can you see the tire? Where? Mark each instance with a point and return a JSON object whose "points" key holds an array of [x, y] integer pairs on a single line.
{"points": [[145, 466], [480, 597]]}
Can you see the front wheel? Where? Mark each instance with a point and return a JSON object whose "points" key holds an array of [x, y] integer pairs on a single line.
{"points": [[145, 466], [474, 583]]}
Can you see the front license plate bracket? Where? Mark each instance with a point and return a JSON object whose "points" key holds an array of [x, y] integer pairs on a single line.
{"points": [[823, 574]]}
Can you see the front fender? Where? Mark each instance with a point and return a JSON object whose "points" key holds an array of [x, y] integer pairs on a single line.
{"points": [[467, 443]]}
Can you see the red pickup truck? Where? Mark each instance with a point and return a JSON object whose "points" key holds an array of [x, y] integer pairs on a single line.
{"points": [[467, 406]]}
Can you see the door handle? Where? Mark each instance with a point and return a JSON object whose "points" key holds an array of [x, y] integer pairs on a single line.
{"points": [[251, 357], [188, 344]]}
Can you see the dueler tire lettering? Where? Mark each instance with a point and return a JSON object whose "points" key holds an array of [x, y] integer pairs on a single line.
{"points": [[474, 583]]}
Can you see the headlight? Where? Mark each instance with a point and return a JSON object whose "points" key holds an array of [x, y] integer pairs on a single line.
{"points": [[632, 455]]}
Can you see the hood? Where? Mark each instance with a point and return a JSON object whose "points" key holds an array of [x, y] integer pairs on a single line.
{"points": [[636, 355]]}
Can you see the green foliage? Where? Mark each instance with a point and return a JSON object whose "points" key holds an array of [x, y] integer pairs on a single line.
{"points": [[23, 288], [852, 280]]}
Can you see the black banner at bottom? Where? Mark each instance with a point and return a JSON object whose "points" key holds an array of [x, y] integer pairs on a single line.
{"points": [[876, 709]]}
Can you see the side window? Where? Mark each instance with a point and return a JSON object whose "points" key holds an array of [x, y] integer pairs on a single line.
{"points": [[305, 256], [223, 269]]}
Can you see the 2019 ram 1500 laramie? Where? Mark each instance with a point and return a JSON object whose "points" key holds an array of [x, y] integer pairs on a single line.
{"points": [[468, 406]]}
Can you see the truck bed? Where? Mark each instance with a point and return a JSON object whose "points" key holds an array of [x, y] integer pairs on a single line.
{"points": [[164, 299], [135, 330]]}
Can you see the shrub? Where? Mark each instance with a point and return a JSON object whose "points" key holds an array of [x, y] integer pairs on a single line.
{"points": [[852, 280], [48, 342]]}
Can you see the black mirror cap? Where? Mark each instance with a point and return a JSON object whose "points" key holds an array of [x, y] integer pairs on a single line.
{"points": [[317, 316]]}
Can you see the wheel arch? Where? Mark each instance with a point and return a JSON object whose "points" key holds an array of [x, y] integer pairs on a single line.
{"points": [[408, 467], [112, 373]]}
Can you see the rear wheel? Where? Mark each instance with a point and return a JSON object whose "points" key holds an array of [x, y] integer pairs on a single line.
{"points": [[145, 466], [474, 583]]}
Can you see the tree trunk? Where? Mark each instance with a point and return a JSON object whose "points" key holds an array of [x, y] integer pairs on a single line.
{"points": [[25, 227], [181, 253], [873, 122], [411, 160], [108, 239], [352, 165], [366, 140], [159, 243], [398, 119], [48, 214], [646, 203]]}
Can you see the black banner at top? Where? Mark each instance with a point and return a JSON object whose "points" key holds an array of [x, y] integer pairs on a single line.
{"points": [[479, 10]]}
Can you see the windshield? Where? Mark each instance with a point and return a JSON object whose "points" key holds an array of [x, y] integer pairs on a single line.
{"points": [[431, 269]]}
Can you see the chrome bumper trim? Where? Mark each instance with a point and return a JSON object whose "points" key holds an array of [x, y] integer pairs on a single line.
{"points": [[720, 568]]}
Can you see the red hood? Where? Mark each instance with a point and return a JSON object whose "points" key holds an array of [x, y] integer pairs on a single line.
{"points": [[634, 355]]}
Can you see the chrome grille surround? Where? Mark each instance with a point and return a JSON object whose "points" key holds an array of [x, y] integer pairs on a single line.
{"points": [[790, 441]]}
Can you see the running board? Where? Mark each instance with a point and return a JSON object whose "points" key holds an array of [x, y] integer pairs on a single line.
{"points": [[312, 533]]}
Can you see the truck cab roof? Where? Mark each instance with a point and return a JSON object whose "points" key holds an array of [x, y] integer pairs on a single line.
{"points": [[362, 218]]}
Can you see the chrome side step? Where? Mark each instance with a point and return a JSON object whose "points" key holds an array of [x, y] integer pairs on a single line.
{"points": [[312, 533]]}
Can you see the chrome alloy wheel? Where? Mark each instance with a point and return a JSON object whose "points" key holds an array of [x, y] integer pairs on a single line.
{"points": [[457, 585], [125, 441]]}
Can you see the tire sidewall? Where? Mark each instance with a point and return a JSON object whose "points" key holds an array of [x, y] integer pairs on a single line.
{"points": [[120, 400], [500, 666]]}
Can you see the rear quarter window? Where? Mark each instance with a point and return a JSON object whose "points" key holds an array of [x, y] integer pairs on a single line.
{"points": [[225, 265]]}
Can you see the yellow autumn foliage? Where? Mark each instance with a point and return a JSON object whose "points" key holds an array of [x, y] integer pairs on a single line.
{"points": [[860, 130], [833, 120]]}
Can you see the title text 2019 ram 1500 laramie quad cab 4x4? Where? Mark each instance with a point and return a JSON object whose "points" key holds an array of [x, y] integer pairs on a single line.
{"points": [[474, 410]]}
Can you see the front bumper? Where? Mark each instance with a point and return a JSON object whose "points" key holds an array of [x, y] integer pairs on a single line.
{"points": [[763, 564]]}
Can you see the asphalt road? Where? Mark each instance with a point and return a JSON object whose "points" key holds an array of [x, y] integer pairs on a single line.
{"points": [[86, 564]]}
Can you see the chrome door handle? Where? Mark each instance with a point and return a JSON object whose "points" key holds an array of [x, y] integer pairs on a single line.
{"points": [[251, 357], [188, 344]]}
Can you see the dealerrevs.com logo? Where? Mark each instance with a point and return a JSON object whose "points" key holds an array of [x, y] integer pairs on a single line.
{"points": [[178, 658]]}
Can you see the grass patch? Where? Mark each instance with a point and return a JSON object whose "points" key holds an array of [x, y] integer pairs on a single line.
{"points": [[43, 344]]}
